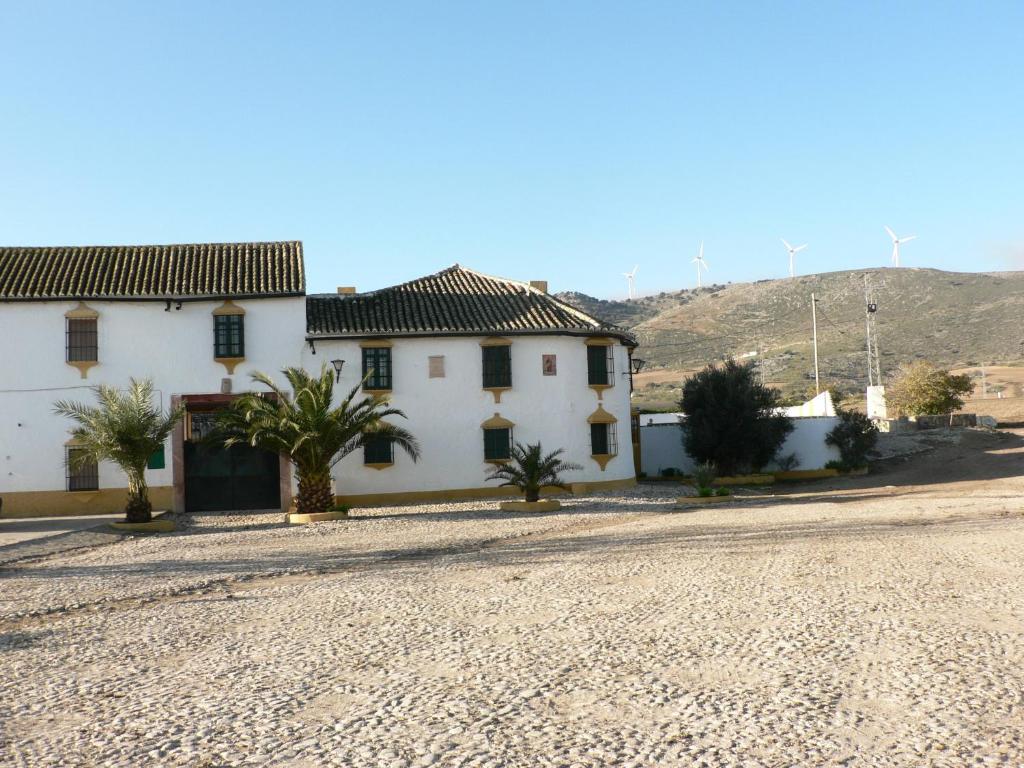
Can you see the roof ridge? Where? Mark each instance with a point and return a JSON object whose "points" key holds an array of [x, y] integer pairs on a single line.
{"points": [[111, 246]]}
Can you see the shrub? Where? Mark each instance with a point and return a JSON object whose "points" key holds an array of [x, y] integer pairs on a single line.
{"points": [[704, 475], [723, 491], [669, 472], [855, 436], [787, 463], [732, 419], [922, 389], [704, 492]]}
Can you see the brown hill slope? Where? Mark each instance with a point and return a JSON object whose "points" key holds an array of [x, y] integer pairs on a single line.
{"points": [[953, 319]]}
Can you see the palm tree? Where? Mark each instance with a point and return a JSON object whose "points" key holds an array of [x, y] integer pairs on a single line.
{"points": [[305, 428], [530, 470], [126, 429]]}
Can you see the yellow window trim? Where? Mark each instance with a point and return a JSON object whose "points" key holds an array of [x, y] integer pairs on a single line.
{"points": [[602, 459], [375, 344], [496, 341], [228, 308], [497, 422], [82, 312], [601, 416], [497, 461], [599, 341], [83, 366], [230, 363], [380, 465], [497, 392]]}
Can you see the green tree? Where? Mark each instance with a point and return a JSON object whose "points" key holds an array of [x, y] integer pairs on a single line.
{"points": [[530, 470], [307, 429], [855, 436], [732, 419], [126, 429], [923, 389]]}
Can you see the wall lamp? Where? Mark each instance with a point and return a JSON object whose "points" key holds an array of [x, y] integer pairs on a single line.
{"points": [[338, 365], [312, 346], [638, 364]]}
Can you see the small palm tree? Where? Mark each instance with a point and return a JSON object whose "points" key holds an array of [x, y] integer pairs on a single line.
{"points": [[530, 470], [126, 429], [305, 428]]}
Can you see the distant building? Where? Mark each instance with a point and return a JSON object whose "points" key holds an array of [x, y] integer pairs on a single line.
{"points": [[475, 362]]}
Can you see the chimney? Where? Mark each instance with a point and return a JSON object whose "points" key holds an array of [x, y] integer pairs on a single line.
{"points": [[346, 290], [540, 285]]}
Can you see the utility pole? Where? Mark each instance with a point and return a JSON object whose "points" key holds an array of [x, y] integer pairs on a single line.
{"points": [[814, 323], [984, 385], [867, 329], [870, 308]]}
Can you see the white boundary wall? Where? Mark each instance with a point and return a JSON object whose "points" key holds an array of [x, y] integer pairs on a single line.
{"points": [[661, 444]]}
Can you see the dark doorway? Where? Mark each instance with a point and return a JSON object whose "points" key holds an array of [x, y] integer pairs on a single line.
{"points": [[240, 477]]}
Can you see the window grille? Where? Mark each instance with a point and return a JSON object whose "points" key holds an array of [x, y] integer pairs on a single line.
{"points": [[379, 450], [84, 476], [601, 365], [82, 340], [201, 424], [377, 364], [497, 363], [229, 336], [497, 444], [603, 441]]}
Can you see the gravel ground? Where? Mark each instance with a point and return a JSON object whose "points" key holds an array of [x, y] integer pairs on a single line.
{"points": [[837, 629]]}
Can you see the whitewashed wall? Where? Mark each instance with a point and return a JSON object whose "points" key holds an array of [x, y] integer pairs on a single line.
{"points": [[445, 414], [138, 339], [661, 444]]}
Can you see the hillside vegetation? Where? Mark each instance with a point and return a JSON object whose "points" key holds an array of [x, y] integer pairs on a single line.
{"points": [[954, 319]]}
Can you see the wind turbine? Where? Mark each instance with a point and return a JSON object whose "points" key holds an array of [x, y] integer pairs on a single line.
{"points": [[896, 243], [792, 252], [631, 292], [699, 261]]}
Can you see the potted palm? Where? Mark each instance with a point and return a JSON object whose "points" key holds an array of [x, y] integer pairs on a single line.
{"points": [[124, 428], [305, 428], [530, 470]]}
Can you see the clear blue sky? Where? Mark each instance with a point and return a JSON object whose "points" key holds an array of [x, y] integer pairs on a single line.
{"points": [[558, 140]]}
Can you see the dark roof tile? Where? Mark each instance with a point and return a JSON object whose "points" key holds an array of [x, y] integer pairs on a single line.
{"points": [[456, 301], [207, 270]]}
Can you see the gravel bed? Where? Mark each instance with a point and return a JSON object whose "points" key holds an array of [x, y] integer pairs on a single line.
{"points": [[888, 631]]}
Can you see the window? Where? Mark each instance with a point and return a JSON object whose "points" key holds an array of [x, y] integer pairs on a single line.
{"points": [[377, 368], [379, 450], [83, 476], [229, 335], [497, 444], [497, 366], [602, 440], [82, 343], [601, 365], [201, 425]]}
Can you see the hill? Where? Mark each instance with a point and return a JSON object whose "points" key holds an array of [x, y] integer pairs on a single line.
{"points": [[954, 319]]}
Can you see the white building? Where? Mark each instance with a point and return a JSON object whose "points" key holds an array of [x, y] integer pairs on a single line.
{"points": [[476, 363], [198, 319]]}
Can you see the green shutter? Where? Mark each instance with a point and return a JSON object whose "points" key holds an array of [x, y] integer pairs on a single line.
{"points": [[156, 461], [497, 363], [597, 365], [497, 444]]}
